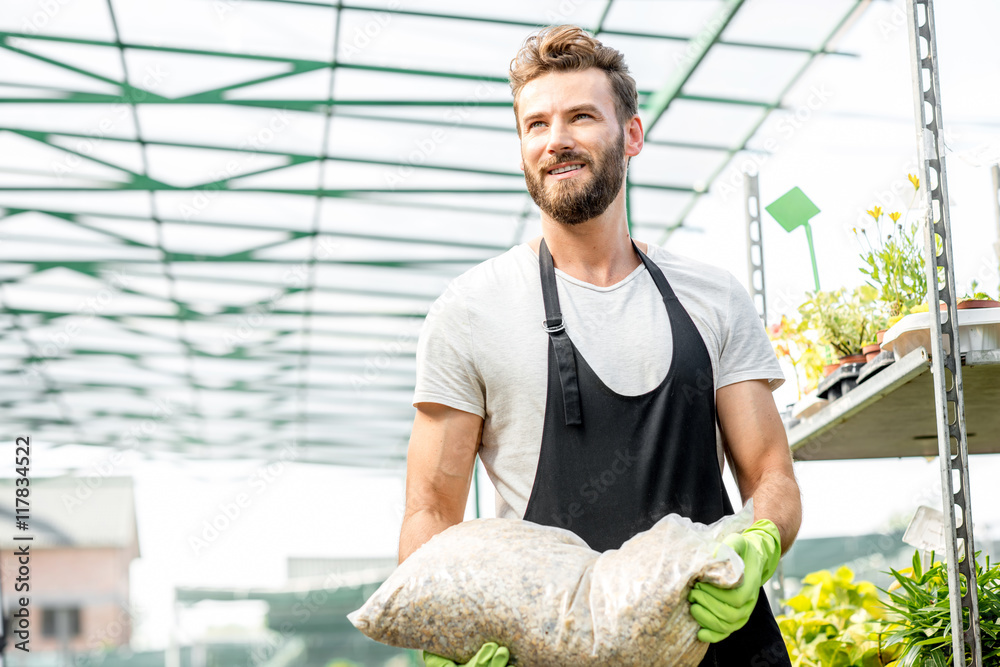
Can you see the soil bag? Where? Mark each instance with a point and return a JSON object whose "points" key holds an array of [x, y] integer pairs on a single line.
{"points": [[544, 594]]}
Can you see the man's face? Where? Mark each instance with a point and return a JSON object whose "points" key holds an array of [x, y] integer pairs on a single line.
{"points": [[572, 148]]}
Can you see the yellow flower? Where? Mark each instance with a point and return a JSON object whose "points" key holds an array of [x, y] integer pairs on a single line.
{"points": [[875, 212], [914, 180], [894, 216]]}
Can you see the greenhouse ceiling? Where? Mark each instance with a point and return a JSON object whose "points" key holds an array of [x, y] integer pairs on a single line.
{"points": [[223, 221]]}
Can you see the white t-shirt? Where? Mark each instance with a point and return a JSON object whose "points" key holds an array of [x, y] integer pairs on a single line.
{"points": [[483, 349]]}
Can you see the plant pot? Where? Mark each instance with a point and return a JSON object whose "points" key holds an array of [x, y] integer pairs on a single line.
{"points": [[829, 369], [969, 304], [853, 359], [879, 334], [871, 355], [868, 349], [978, 303]]}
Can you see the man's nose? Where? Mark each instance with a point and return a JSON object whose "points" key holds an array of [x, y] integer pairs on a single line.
{"points": [[560, 138]]}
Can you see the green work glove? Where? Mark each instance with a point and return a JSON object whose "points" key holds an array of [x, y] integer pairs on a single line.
{"points": [[722, 611], [490, 655]]}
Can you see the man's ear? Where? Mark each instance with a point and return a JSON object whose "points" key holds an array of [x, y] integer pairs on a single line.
{"points": [[522, 165], [634, 137]]}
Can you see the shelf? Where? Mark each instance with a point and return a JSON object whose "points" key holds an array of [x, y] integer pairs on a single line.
{"points": [[892, 414]]}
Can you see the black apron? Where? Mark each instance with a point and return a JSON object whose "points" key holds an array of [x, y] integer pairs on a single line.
{"points": [[611, 466]]}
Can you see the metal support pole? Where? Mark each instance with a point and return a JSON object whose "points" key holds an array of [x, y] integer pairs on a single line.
{"points": [[953, 445], [3, 617], [996, 205], [755, 244], [755, 268]]}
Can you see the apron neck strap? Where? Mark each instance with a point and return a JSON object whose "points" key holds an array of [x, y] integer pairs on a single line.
{"points": [[553, 317], [562, 347], [666, 291]]}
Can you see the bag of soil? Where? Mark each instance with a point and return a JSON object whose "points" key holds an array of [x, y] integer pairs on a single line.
{"points": [[544, 594]]}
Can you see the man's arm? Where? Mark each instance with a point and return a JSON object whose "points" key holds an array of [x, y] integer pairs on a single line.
{"points": [[439, 467], [758, 451]]}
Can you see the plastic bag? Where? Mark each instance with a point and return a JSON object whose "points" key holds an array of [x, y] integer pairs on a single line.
{"points": [[544, 594]]}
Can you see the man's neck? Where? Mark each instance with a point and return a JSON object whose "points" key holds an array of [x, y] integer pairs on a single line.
{"points": [[598, 251]]}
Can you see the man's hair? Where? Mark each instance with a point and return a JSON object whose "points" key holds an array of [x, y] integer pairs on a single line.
{"points": [[565, 48]]}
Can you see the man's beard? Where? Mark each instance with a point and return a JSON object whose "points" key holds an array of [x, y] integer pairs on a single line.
{"points": [[572, 203]]}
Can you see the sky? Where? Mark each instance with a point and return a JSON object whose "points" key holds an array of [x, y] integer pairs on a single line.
{"points": [[847, 139]]}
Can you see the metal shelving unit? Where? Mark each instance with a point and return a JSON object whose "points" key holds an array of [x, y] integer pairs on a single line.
{"points": [[888, 415], [755, 244], [946, 367]]}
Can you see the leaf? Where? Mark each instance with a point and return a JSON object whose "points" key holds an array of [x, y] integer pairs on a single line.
{"points": [[844, 574], [799, 603], [936, 659], [872, 658], [833, 653]]}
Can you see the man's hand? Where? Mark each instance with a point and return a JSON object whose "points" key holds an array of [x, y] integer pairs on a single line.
{"points": [[490, 655], [722, 611]]}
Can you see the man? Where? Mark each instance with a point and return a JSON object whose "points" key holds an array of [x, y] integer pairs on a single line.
{"points": [[591, 373]]}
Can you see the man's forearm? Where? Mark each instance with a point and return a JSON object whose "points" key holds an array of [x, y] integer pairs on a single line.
{"points": [[778, 499], [420, 526]]}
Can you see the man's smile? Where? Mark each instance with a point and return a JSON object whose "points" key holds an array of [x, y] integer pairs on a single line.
{"points": [[566, 170]]}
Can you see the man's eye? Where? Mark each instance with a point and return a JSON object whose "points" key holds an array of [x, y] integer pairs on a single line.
{"points": [[532, 125], [587, 115]]}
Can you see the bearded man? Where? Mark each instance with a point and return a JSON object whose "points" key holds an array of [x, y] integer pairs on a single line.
{"points": [[602, 381]]}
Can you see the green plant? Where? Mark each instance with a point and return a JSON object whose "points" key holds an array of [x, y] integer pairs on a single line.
{"points": [[845, 320], [791, 340], [894, 261], [920, 614], [975, 293], [835, 622]]}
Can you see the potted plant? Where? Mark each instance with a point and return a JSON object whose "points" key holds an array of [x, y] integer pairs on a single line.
{"points": [[791, 340], [845, 320], [893, 260], [975, 298], [835, 621], [918, 624]]}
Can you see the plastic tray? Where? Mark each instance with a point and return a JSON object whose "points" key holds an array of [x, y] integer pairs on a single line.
{"points": [[808, 406], [978, 329], [839, 382], [884, 359]]}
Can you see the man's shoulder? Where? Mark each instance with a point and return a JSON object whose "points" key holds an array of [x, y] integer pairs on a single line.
{"points": [[690, 274], [498, 273]]}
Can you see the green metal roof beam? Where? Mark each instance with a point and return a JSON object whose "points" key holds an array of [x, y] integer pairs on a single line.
{"points": [[317, 105], [271, 358], [297, 67], [73, 218], [698, 47], [295, 158], [142, 183], [4, 34], [62, 65], [604, 17], [424, 72], [529, 24], [231, 310], [153, 186], [505, 129], [859, 4]]}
